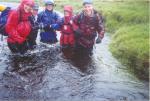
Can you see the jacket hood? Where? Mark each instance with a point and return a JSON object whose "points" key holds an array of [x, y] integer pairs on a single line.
{"points": [[26, 2], [69, 9]]}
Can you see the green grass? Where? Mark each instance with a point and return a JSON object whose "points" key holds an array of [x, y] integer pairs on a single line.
{"points": [[119, 14], [130, 46], [128, 24]]}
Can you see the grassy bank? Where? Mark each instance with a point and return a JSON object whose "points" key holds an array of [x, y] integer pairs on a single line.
{"points": [[127, 21]]}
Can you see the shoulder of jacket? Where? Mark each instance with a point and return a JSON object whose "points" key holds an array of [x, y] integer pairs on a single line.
{"points": [[41, 13], [80, 13], [98, 14], [55, 13], [14, 13]]}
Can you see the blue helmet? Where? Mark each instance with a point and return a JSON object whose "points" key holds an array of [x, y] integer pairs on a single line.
{"points": [[49, 2], [87, 2]]}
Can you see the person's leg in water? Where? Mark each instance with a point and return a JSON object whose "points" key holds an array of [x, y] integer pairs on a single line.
{"points": [[64, 41], [90, 51], [35, 26], [13, 47], [32, 40], [23, 47], [71, 41], [83, 51]]}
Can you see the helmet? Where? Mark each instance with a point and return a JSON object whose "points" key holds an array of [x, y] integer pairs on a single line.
{"points": [[2, 7], [36, 7], [87, 2], [49, 2]]}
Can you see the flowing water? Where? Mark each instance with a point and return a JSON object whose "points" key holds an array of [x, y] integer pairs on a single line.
{"points": [[47, 74]]}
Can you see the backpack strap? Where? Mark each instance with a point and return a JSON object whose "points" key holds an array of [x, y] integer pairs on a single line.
{"points": [[81, 17]]}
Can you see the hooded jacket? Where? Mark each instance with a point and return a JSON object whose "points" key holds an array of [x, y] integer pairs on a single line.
{"points": [[48, 18], [18, 25], [67, 28]]}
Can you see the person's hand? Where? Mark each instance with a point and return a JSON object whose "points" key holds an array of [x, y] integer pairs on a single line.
{"points": [[98, 40], [71, 22], [41, 26], [65, 27], [54, 26]]}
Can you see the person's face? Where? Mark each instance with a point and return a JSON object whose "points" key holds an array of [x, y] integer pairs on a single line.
{"points": [[88, 8], [49, 7], [27, 8], [34, 12], [66, 13]]}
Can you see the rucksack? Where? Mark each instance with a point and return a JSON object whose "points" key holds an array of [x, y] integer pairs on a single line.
{"points": [[3, 20]]}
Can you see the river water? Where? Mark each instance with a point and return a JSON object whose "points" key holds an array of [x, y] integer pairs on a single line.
{"points": [[47, 74]]}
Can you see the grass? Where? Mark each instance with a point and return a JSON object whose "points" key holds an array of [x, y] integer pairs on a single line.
{"points": [[130, 46], [119, 14], [127, 21]]}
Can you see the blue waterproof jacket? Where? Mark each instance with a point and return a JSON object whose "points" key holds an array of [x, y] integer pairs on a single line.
{"points": [[49, 20]]}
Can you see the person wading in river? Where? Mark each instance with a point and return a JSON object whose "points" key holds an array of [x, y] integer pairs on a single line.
{"points": [[18, 27], [67, 39], [35, 26], [49, 19], [90, 24]]}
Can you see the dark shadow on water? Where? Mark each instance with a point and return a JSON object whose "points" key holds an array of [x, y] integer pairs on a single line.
{"points": [[80, 60], [35, 76], [17, 62], [25, 75]]}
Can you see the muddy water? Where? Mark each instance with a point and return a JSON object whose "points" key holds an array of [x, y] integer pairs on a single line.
{"points": [[47, 74]]}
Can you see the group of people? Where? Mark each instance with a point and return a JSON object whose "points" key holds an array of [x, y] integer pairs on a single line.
{"points": [[79, 32]]}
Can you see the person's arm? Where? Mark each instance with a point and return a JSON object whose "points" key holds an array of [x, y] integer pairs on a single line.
{"points": [[39, 17], [58, 22], [100, 28], [34, 24]]}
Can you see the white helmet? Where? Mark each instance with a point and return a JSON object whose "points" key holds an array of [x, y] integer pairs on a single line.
{"points": [[87, 2], [49, 2]]}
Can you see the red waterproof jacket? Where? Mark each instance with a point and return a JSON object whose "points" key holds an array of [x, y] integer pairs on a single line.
{"points": [[67, 29], [18, 25]]}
